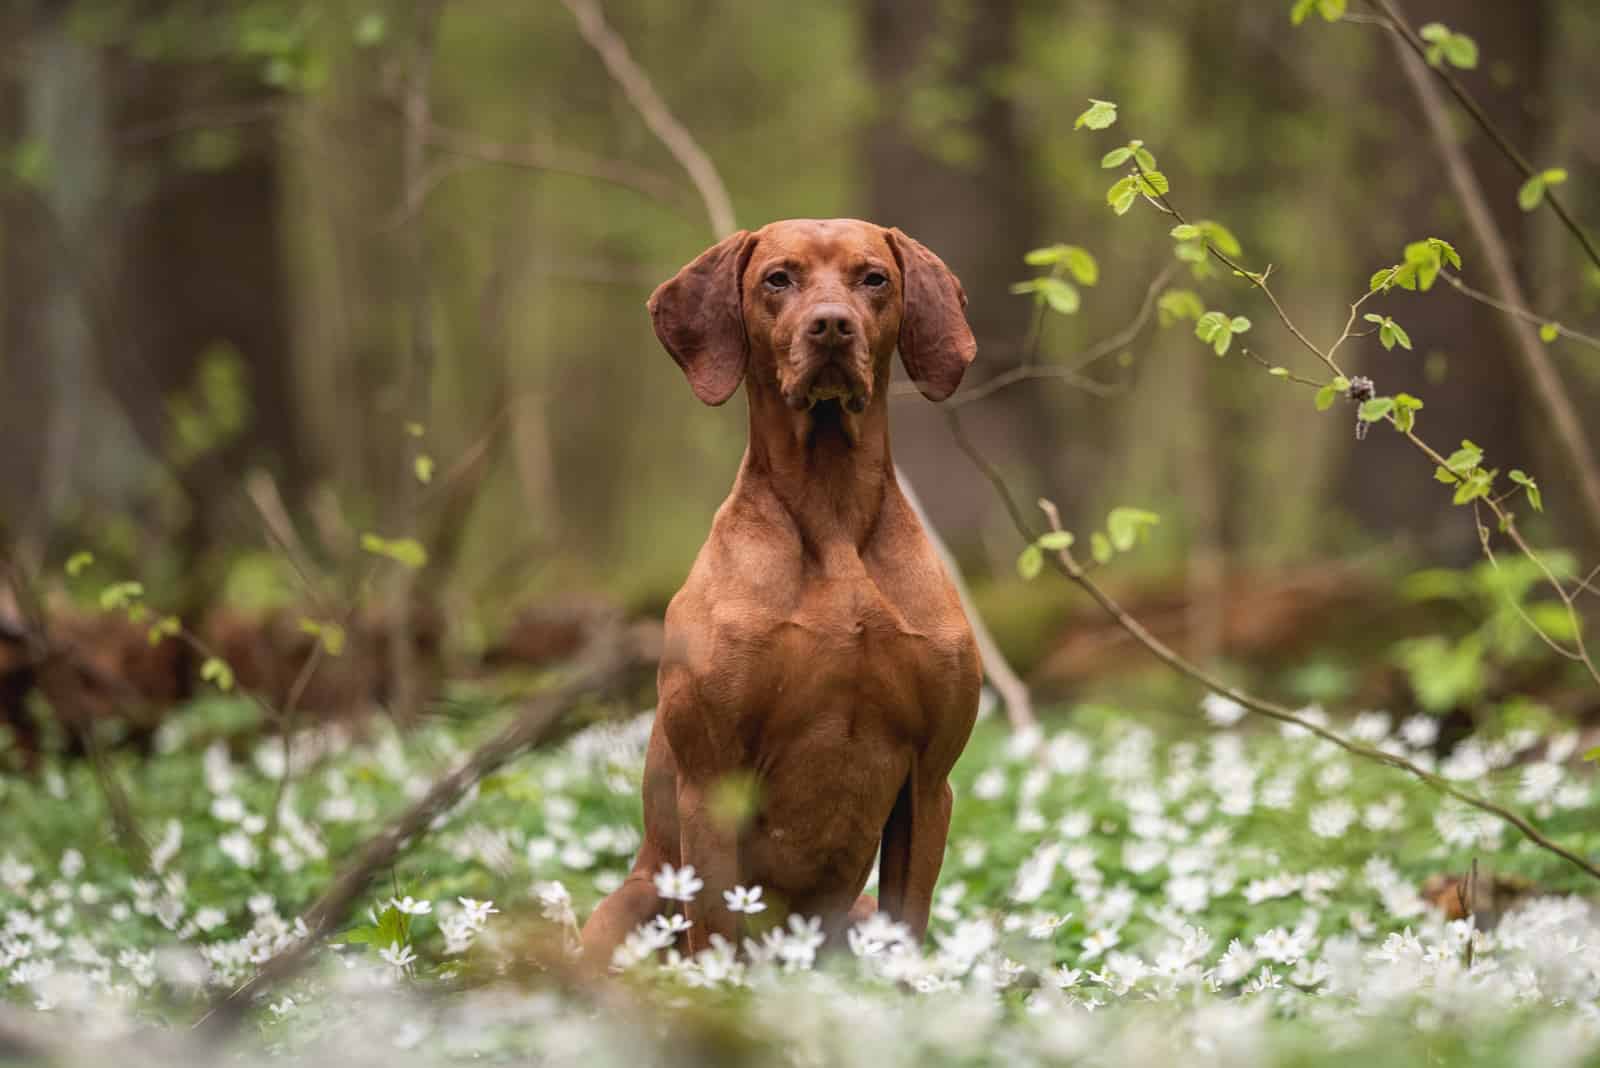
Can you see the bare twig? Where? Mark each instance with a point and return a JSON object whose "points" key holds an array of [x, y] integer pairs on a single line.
{"points": [[608, 656], [641, 93], [1519, 312], [1070, 373]]}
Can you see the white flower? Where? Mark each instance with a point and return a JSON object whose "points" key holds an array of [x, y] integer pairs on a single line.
{"points": [[410, 905], [1332, 818], [71, 863], [746, 899], [400, 957], [1034, 874], [1222, 711], [228, 809], [477, 913], [1419, 732], [239, 848], [990, 785], [678, 884], [1100, 941]]}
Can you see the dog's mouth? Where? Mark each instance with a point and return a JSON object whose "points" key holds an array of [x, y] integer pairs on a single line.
{"points": [[833, 386]]}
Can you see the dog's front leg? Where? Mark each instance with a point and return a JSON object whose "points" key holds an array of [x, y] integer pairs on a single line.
{"points": [[710, 842], [913, 851]]}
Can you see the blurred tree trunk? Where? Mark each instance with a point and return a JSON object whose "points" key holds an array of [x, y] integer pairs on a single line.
{"points": [[1462, 366], [945, 163]]}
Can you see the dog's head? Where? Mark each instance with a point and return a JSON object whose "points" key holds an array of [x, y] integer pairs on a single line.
{"points": [[813, 308]]}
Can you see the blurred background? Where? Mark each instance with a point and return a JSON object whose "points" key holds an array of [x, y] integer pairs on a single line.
{"points": [[266, 264]]}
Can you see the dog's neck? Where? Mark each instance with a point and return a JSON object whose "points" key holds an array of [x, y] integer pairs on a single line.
{"points": [[829, 469]]}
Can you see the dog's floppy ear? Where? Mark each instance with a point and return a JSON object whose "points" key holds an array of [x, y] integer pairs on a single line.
{"points": [[698, 314], [936, 344]]}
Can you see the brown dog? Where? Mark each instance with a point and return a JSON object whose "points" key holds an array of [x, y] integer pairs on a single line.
{"points": [[817, 652]]}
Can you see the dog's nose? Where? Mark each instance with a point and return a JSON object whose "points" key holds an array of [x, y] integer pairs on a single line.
{"points": [[831, 324]]}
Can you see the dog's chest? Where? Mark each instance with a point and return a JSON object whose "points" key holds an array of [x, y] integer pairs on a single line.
{"points": [[845, 655]]}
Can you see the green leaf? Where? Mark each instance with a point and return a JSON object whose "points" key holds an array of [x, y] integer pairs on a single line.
{"points": [[1549, 332], [1461, 51], [1081, 264], [1465, 459], [1399, 334], [1301, 11], [217, 672], [1100, 548], [1386, 334], [1122, 187], [370, 29], [120, 595], [1529, 487], [1554, 176], [1055, 541], [1101, 114], [1531, 195], [331, 635], [1030, 562], [1477, 484], [1446, 251], [1116, 157], [1382, 279], [1176, 305], [1125, 202], [1154, 183], [1185, 232], [408, 552], [1209, 324], [165, 627], [1142, 156], [79, 562], [1278, 372], [1326, 396], [1376, 408], [1221, 237], [1239, 324], [1126, 526], [423, 466]]}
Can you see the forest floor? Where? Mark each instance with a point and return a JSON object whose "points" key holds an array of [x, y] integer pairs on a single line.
{"points": [[1225, 894]]}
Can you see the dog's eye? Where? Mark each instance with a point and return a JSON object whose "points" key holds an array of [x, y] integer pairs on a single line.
{"points": [[875, 279], [778, 280]]}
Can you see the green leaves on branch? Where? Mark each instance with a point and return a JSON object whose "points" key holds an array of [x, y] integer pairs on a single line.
{"points": [[1101, 114], [1423, 261], [1031, 560], [78, 563], [1447, 46], [1529, 487], [1217, 330], [1052, 290], [407, 552], [1389, 332], [217, 672], [1330, 10], [331, 635], [1179, 305], [1531, 195], [121, 595], [1127, 526], [1129, 188], [1133, 150], [1332, 392], [1465, 471], [1196, 238]]}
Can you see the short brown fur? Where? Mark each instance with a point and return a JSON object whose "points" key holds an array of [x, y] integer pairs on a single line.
{"points": [[817, 647]]}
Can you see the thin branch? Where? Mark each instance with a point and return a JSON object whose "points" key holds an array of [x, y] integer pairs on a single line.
{"points": [[1542, 375], [1406, 37], [1518, 312], [608, 656], [641, 93], [1069, 373], [540, 157], [1068, 566]]}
